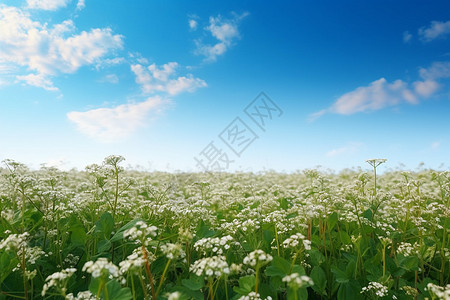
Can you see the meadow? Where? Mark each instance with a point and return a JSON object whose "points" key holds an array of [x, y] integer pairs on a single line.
{"points": [[116, 234]]}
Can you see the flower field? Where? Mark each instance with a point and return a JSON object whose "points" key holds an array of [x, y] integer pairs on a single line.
{"points": [[116, 234]]}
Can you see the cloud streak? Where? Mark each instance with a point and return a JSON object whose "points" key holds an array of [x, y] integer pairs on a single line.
{"points": [[434, 31], [162, 79], [380, 93], [225, 31], [47, 4], [115, 124]]}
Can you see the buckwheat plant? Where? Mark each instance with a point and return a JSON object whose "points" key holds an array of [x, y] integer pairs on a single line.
{"points": [[58, 281], [374, 290], [256, 260], [296, 281]]}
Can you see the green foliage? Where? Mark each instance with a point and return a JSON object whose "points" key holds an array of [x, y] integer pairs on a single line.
{"points": [[123, 234]]}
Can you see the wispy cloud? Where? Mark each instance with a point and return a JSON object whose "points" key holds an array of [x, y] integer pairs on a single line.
{"points": [[350, 148], [381, 94], [117, 123], [225, 31], [47, 4], [162, 79], [407, 37], [110, 78], [81, 5], [193, 24], [49, 51], [435, 145], [435, 30], [38, 80]]}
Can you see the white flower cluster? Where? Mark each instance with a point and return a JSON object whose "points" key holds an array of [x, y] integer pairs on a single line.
{"points": [[257, 258], [134, 261], [102, 267], [215, 245], [439, 291], [58, 280], [379, 289], [184, 234], [213, 266], [173, 251], [173, 296], [293, 241], [409, 290], [254, 296], [141, 232], [85, 295], [406, 249], [297, 281], [14, 241]]}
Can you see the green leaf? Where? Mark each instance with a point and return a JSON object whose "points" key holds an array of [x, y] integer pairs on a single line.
{"points": [[246, 285], [350, 290], [118, 236], [368, 214], [105, 225], [268, 236], [317, 257], [409, 263], [116, 291], [103, 246], [332, 220], [345, 238], [187, 294], [194, 283], [341, 276], [298, 269], [320, 280], [279, 267], [8, 262]]}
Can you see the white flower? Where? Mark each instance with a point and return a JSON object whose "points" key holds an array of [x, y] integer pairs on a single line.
{"points": [[173, 251], [297, 281], [210, 267], [257, 258], [101, 268], [379, 289], [58, 280], [439, 291]]}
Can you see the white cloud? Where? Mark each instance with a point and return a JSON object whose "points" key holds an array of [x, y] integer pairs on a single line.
{"points": [[436, 30], [81, 4], [435, 145], [440, 69], [425, 88], [38, 80], [110, 78], [351, 148], [380, 93], [47, 4], [159, 79], [47, 51], [113, 124], [193, 24], [377, 95], [225, 31], [407, 37]]}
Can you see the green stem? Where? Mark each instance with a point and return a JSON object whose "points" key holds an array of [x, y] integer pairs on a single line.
{"points": [[162, 278], [226, 287], [256, 280], [276, 238], [100, 288], [133, 288]]}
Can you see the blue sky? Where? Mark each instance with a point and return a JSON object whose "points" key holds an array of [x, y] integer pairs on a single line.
{"points": [[162, 83]]}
